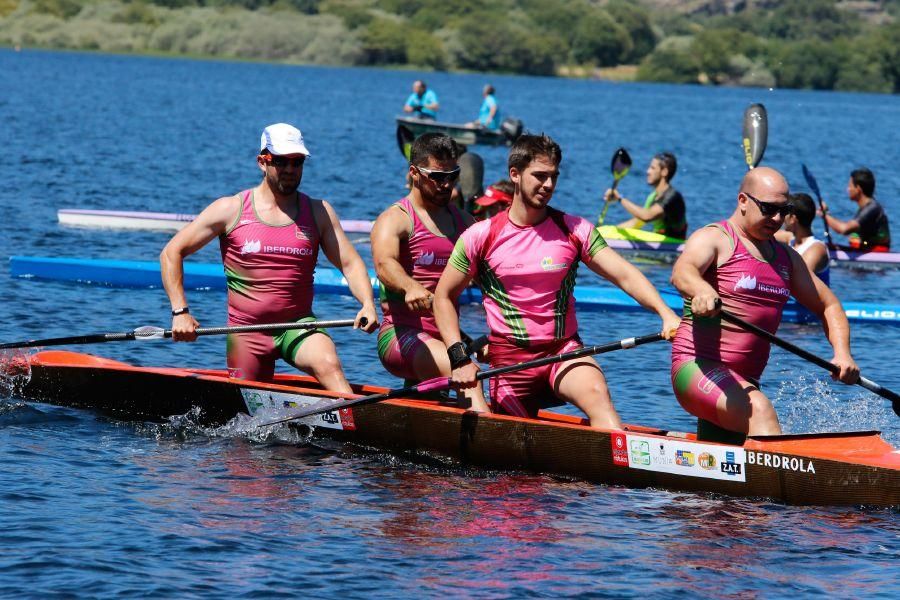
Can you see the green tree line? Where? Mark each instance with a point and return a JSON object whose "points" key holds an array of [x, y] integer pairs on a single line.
{"points": [[799, 44]]}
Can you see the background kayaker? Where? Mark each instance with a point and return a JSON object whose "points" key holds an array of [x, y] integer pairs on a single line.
{"points": [[270, 237], [489, 113], [423, 103], [868, 230], [411, 244], [526, 262], [497, 198], [736, 265], [664, 207], [799, 234]]}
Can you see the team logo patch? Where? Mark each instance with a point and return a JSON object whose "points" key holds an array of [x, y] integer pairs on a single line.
{"points": [[251, 247], [547, 264], [746, 282]]}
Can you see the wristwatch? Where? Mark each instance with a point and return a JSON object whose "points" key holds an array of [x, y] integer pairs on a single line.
{"points": [[180, 311], [458, 355]]}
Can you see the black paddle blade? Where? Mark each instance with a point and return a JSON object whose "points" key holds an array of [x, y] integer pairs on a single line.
{"points": [[621, 163], [405, 138], [811, 181], [756, 134]]}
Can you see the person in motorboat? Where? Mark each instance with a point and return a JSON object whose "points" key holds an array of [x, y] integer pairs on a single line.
{"points": [[422, 103], [737, 266], [489, 113], [525, 260], [868, 230], [798, 233], [270, 237], [411, 244], [664, 207]]}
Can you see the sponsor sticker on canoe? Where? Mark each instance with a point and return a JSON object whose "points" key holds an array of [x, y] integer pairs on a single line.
{"points": [[679, 457], [258, 400]]}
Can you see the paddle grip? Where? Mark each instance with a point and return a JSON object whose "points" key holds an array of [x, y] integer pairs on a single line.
{"points": [[431, 385]]}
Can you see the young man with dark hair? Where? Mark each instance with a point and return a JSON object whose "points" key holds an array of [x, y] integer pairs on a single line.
{"points": [[868, 230], [798, 233], [526, 261], [411, 244], [270, 238], [664, 207]]}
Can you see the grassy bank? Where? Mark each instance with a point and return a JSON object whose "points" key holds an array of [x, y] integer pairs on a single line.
{"points": [[817, 44]]}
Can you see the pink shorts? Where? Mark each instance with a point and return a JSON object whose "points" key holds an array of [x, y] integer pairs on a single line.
{"points": [[252, 355], [398, 346], [523, 393], [700, 383]]}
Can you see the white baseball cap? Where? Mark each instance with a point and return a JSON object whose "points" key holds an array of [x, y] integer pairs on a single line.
{"points": [[281, 139]]}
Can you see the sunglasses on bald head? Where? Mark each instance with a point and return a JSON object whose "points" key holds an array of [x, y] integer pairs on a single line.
{"points": [[770, 209], [439, 176], [280, 162]]}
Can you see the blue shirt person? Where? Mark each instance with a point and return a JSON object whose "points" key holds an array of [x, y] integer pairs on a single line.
{"points": [[422, 102], [489, 114]]}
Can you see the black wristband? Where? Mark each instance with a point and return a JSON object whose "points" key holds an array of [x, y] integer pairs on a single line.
{"points": [[181, 311], [458, 355]]}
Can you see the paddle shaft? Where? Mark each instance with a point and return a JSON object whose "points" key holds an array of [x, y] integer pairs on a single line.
{"points": [[602, 216], [150, 333], [442, 383], [814, 186], [816, 360]]}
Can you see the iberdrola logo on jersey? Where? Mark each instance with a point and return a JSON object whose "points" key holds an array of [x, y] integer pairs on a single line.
{"points": [[746, 282], [426, 259], [547, 264], [251, 246]]}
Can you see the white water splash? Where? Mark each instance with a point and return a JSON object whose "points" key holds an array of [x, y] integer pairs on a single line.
{"points": [[191, 425], [810, 405], [15, 372]]}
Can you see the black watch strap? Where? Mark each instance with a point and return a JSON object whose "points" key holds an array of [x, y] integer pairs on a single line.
{"points": [[458, 355], [184, 310]]}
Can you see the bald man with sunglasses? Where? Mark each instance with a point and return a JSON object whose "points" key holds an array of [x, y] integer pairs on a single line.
{"points": [[411, 243], [738, 266], [270, 237]]}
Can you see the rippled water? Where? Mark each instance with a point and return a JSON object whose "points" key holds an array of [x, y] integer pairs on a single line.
{"points": [[93, 507]]}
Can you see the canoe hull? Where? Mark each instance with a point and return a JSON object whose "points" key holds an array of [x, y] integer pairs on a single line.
{"points": [[823, 469]]}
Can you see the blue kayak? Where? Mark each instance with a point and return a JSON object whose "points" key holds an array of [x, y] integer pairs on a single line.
{"points": [[210, 276]]}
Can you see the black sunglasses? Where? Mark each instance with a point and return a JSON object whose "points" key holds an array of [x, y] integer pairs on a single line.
{"points": [[280, 162], [439, 176], [770, 209]]}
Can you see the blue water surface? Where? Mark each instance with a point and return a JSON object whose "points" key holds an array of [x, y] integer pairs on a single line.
{"points": [[91, 507]]}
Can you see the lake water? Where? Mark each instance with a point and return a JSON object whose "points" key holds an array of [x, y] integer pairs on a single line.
{"points": [[93, 507]]}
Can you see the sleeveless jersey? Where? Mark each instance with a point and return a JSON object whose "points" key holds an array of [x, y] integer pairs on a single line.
{"points": [[752, 289], [423, 255], [269, 268], [527, 274], [825, 273]]}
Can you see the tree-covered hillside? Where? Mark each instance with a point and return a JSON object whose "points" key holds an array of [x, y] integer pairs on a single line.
{"points": [[822, 44]]}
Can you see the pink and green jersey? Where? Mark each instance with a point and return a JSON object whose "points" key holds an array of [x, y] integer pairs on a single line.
{"points": [[423, 255], [527, 274], [269, 268], [752, 289]]}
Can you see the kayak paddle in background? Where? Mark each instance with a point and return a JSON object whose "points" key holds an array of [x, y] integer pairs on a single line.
{"points": [[405, 138], [149, 332], [443, 383], [755, 134], [814, 186], [814, 359], [619, 166]]}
